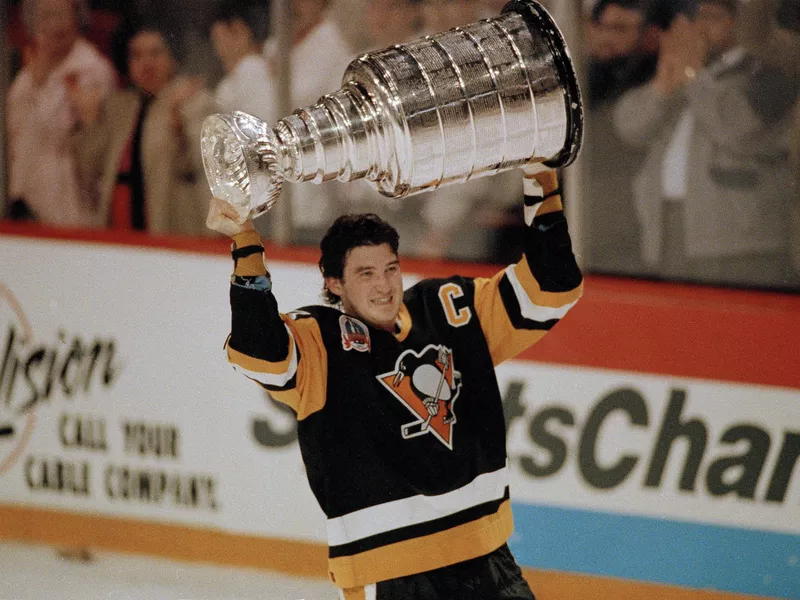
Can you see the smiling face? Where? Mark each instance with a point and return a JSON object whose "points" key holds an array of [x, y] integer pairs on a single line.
{"points": [[371, 286]]}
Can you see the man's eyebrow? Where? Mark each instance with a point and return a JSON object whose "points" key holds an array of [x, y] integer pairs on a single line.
{"points": [[393, 263]]}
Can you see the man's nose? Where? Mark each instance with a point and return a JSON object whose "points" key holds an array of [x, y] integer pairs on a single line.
{"points": [[382, 282]]}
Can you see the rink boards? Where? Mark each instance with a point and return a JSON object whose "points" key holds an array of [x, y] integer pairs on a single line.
{"points": [[653, 442]]}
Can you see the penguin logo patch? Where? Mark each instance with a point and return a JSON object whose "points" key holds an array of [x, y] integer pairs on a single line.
{"points": [[427, 384]]}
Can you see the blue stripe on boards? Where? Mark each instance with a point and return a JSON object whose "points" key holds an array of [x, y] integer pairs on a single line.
{"points": [[694, 555]]}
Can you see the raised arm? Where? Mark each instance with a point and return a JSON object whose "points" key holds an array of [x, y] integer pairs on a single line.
{"points": [[520, 304], [774, 44], [284, 356]]}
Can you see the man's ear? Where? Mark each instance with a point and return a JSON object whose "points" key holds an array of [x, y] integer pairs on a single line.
{"points": [[334, 284]]}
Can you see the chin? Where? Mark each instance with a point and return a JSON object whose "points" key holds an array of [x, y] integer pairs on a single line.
{"points": [[385, 320]]}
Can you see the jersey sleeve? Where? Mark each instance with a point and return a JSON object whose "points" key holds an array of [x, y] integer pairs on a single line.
{"points": [[284, 354], [520, 304]]}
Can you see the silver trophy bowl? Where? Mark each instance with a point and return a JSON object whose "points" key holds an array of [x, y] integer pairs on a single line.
{"points": [[465, 103]]}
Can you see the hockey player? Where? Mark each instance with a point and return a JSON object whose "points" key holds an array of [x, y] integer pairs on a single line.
{"points": [[399, 413]]}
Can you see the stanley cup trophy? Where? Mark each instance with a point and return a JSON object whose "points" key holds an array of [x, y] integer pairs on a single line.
{"points": [[465, 103]]}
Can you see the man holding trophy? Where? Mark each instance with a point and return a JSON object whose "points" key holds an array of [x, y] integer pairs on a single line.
{"points": [[400, 420]]}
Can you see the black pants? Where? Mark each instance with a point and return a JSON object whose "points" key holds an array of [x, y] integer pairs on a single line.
{"points": [[495, 576]]}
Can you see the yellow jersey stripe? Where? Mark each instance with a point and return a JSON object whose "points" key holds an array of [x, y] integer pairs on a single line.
{"points": [[285, 368], [312, 368], [503, 339]]}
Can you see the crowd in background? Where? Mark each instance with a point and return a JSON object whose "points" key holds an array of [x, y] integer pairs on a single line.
{"points": [[692, 145], [693, 155]]}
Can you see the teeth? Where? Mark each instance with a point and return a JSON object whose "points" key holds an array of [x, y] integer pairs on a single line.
{"points": [[382, 300]]}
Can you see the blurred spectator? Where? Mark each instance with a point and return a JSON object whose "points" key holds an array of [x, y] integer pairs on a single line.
{"points": [[466, 221], [492, 8], [441, 15], [474, 221], [770, 29], [456, 221], [711, 196], [143, 144], [238, 31], [392, 22], [388, 22], [319, 57], [43, 180], [622, 43]]}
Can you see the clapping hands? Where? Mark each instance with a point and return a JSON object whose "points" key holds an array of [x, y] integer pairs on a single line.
{"points": [[682, 53]]}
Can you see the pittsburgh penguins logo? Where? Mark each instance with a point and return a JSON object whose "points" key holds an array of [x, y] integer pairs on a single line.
{"points": [[428, 385]]}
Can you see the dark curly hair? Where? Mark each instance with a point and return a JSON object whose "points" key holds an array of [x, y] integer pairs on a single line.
{"points": [[132, 26], [348, 232], [253, 13]]}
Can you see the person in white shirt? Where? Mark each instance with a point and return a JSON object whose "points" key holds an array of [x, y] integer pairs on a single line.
{"points": [[711, 194], [44, 184], [238, 30], [320, 52], [319, 56]]}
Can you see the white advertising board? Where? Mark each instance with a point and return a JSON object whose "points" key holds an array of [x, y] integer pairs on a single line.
{"points": [[116, 399]]}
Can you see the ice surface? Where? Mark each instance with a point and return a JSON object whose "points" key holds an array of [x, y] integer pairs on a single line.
{"points": [[32, 572]]}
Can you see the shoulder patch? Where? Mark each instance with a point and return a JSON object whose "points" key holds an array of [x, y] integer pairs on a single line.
{"points": [[355, 335]]}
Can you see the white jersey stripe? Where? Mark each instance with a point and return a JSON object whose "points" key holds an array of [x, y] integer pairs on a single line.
{"points": [[416, 509], [274, 379], [532, 311]]}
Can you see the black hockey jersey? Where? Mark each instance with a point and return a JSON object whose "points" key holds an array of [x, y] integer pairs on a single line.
{"points": [[402, 434]]}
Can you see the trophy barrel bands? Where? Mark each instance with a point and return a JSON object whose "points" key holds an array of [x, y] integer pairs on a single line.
{"points": [[555, 51], [472, 101], [337, 138], [443, 109]]}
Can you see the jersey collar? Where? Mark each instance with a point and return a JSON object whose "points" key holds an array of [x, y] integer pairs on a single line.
{"points": [[402, 324]]}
